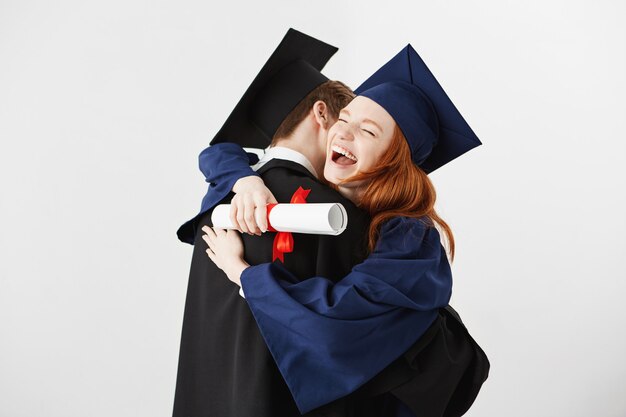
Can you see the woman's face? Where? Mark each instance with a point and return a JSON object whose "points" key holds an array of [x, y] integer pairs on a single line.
{"points": [[357, 140]]}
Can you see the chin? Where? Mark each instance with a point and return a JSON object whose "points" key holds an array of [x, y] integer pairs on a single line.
{"points": [[335, 173], [331, 178]]}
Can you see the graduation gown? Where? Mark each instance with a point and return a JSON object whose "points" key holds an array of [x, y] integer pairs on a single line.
{"points": [[225, 367], [455, 369], [329, 338]]}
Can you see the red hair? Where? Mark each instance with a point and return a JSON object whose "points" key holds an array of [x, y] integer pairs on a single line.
{"points": [[398, 187]]}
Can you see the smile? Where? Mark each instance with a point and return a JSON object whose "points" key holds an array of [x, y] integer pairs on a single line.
{"points": [[342, 156]]}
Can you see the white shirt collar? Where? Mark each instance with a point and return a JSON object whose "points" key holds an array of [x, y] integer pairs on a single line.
{"points": [[281, 152]]}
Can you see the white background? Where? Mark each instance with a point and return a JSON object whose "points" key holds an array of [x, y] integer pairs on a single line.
{"points": [[105, 106]]}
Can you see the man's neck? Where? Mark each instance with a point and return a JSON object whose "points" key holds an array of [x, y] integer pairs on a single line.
{"points": [[307, 146]]}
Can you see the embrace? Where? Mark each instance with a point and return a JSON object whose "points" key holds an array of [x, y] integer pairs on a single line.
{"points": [[357, 324]]}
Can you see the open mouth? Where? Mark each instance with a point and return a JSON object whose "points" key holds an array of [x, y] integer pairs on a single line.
{"points": [[342, 156]]}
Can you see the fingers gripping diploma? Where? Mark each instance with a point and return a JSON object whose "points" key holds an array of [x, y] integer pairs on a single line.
{"points": [[248, 207], [226, 251]]}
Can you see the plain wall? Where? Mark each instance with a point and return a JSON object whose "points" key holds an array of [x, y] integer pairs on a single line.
{"points": [[105, 106]]}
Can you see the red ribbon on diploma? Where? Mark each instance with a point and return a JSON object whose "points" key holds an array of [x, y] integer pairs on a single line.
{"points": [[283, 242]]}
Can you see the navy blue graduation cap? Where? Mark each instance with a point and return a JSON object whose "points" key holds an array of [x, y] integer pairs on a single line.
{"points": [[434, 128], [290, 73]]}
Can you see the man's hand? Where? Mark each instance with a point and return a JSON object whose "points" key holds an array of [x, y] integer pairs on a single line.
{"points": [[248, 211]]}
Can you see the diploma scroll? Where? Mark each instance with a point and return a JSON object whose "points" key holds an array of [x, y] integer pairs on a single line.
{"points": [[310, 218]]}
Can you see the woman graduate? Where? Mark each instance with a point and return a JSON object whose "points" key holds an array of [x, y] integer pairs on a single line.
{"points": [[328, 339]]}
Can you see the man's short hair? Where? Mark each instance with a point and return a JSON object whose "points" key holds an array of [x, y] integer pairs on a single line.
{"points": [[335, 94]]}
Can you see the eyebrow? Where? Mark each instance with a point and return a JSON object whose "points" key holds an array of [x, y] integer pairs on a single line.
{"points": [[374, 123], [364, 120]]}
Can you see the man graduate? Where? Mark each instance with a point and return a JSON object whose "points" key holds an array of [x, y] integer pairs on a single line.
{"points": [[225, 367]]}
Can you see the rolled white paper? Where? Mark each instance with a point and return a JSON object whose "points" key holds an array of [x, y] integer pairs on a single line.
{"points": [[310, 218]]}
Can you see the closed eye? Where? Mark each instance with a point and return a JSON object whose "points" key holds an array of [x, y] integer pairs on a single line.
{"points": [[341, 120], [367, 131]]}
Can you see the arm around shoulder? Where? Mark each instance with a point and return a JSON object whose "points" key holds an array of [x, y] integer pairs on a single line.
{"points": [[225, 163]]}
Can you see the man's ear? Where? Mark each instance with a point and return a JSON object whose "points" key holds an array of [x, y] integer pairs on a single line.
{"points": [[320, 113]]}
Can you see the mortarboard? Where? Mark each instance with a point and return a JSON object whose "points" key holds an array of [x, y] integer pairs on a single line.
{"points": [[434, 128], [290, 73]]}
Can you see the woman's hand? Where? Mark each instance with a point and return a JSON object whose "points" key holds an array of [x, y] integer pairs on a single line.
{"points": [[226, 251], [248, 211]]}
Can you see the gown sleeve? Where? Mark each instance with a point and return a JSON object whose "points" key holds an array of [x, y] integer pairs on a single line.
{"points": [[222, 165], [330, 338]]}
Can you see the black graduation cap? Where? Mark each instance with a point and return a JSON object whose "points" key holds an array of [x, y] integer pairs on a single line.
{"points": [[292, 72]]}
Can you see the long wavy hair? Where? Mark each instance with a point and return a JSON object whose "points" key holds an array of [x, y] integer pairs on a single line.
{"points": [[398, 187]]}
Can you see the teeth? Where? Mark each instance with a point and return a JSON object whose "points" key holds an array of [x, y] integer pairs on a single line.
{"points": [[344, 152]]}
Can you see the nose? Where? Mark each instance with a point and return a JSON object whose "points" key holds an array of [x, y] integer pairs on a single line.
{"points": [[345, 133]]}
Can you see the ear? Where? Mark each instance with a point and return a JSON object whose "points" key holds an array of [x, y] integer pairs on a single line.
{"points": [[320, 113]]}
